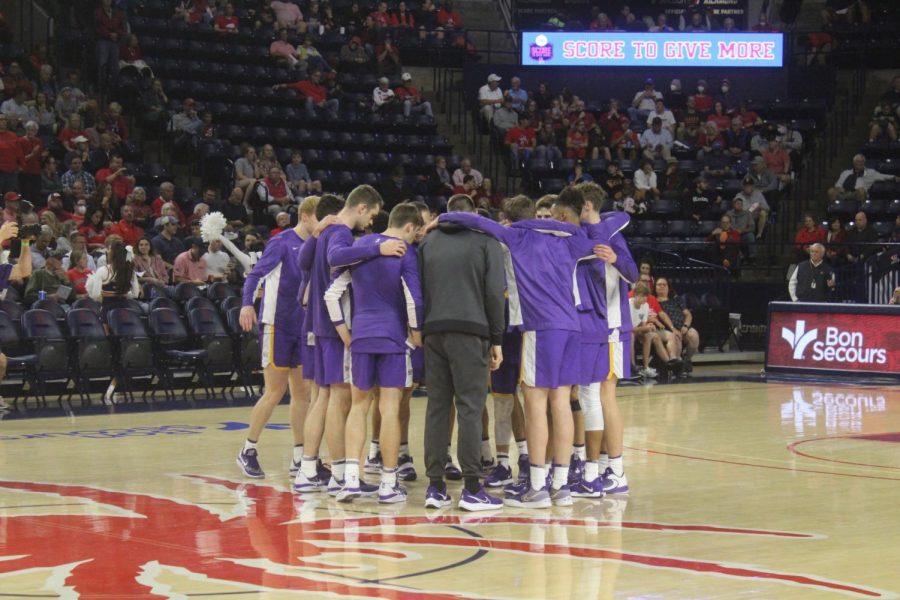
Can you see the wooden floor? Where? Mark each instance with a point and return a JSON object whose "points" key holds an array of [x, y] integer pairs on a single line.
{"points": [[739, 490]]}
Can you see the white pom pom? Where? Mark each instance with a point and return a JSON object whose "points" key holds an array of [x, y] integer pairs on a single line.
{"points": [[211, 226]]}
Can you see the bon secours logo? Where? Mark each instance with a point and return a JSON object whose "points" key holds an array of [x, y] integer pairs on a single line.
{"points": [[839, 346], [113, 434]]}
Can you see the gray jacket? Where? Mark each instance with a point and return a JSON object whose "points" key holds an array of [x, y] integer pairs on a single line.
{"points": [[463, 283]]}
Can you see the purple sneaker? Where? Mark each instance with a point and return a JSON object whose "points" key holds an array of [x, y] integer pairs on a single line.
{"points": [[561, 496], [435, 498], [576, 470], [307, 485], [323, 471], [524, 467], [373, 465], [248, 461], [588, 489], [405, 469], [348, 493], [478, 502], [335, 485], [451, 471], [530, 498], [391, 495], [614, 484], [367, 490], [487, 466], [514, 489], [499, 476]]}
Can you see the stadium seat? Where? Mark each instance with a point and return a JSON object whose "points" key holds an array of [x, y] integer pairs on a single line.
{"points": [[51, 306], [680, 228], [198, 302], [16, 362], [207, 327], [12, 309], [87, 303], [842, 208], [248, 352], [164, 302], [133, 352], [91, 351], [185, 290], [42, 330], [173, 350]]}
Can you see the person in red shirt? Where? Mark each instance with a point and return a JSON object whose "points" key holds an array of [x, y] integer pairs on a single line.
{"points": [[280, 199], [126, 228], [779, 161], [132, 57], [315, 94], [115, 123], [117, 176], [402, 18], [227, 22], [810, 233], [282, 222], [94, 229], [412, 99], [703, 102], [72, 130], [32, 154], [624, 143], [447, 17], [727, 243], [719, 117], [576, 141], [55, 206], [166, 195], [381, 18], [521, 141], [78, 272], [109, 30], [11, 157], [614, 119]]}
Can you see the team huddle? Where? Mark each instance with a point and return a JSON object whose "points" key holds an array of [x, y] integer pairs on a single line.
{"points": [[473, 306]]}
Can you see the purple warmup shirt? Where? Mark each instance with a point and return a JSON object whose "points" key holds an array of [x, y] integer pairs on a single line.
{"points": [[282, 281]]}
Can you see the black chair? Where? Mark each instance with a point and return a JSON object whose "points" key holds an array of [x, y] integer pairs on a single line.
{"points": [[185, 291], [153, 290], [228, 303], [87, 303], [13, 309], [133, 356], [16, 362], [52, 356], [164, 302], [174, 351], [51, 306], [220, 290], [91, 351], [248, 354], [198, 302], [211, 336]]}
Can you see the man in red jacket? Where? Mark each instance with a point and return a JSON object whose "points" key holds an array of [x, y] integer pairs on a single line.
{"points": [[126, 228], [109, 28], [316, 95], [11, 158]]}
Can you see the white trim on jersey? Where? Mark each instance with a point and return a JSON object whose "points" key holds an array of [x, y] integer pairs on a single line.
{"points": [[529, 357], [613, 298], [617, 353], [268, 333], [270, 285], [512, 288], [409, 370], [334, 298], [411, 320]]}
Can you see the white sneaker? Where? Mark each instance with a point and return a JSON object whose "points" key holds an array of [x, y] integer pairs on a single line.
{"points": [[614, 484], [648, 372]]}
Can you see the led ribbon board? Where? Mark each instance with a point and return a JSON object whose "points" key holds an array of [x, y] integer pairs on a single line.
{"points": [[614, 49]]}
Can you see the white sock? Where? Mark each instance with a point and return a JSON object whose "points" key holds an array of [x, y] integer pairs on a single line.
{"points": [[538, 477], [298, 453], [547, 467], [374, 448], [503, 459], [591, 470], [560, 476], [389, 477], [603, 462], [404, 449], [487, 454], [351, 473], [579, 451], [337, 469], [248, 445], [615, 463], [522, 448], [308, 466]]}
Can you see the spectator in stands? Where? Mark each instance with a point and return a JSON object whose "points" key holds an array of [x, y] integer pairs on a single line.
{"points": [[50, 179], [744, 223], [883, 125], [695, 17], [756, 204], [41, 248], [226, 22], [727, 96], [447, 17], [515, 93], [413, 100], [233, 209], [316, 96], [645, 184], [749, 118], [283, 51], [387, 57], [276, 191], [397, 189], [656, 142], [166, 244], [660, 111], [78, 242], [727, 243], [644, 102], [703, 102], [467, 187], [42, 112], [78, 272], [99, 158], [673, 182], [737, 141], [282, 222], [109, 30], [547, 147], [149, 265], [403, 20], [439, 181], [126, 227], [383, 97], [465, 168], [245, 169], [779, 162], [577, 141], [167, 195], [645, 331], [55, 207], [190, 266], [719, 116], [855, 182], [132, 58], [763, 25], [521, 141], [624, 143], [490, 97], [201, 209], [72, 130], [487, 197], [15, 109], [862, 240], [267, 160], [836, 236], [186, 124], [288, 15], [813, 279], [578, 174], [48, 278], [763, 179], [218, 262], [94, 229], [153, 103], [311, 58], [703, 204], [75, 173], [66, 104], [809, 233], [613, 181], [299, 181], [32, 149], [353, 56], [116, 175], [505, 118]]}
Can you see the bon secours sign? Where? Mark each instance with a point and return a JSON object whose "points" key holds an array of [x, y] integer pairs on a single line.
{"points": [[587, 49]]}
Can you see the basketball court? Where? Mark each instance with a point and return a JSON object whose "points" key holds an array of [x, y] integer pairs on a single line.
{"points": [[739, 490]]}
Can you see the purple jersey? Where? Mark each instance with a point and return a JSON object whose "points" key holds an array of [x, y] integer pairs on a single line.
{"points": [[386, 299], [597, 279], [540, 268], [282, 280], [334, 248]]}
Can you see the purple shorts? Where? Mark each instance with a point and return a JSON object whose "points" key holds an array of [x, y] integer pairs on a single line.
{"points": [[280, 349], [383, 370], [417, 357], [332, 362], [551, 358], [595, 361]]}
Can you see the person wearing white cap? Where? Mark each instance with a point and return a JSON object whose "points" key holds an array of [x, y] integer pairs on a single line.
{"points": [[412, 99], [383, 96], [490, 97]]}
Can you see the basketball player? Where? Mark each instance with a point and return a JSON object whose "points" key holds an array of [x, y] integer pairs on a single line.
{"points": [[281, 338], [387, 310], [330, 246], [542, 301]]}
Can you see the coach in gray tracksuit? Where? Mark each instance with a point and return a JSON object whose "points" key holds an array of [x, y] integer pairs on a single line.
{"points": [[463, 285]]}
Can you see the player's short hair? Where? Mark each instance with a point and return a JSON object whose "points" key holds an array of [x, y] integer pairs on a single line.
{"points": [[309, 205], [519, 208], [329, 204], [420, 206], [403, 214], [593, 193], [364, 194], [460, 203], [545, 201], [380, 222], [641, 289], [570, 198]]}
